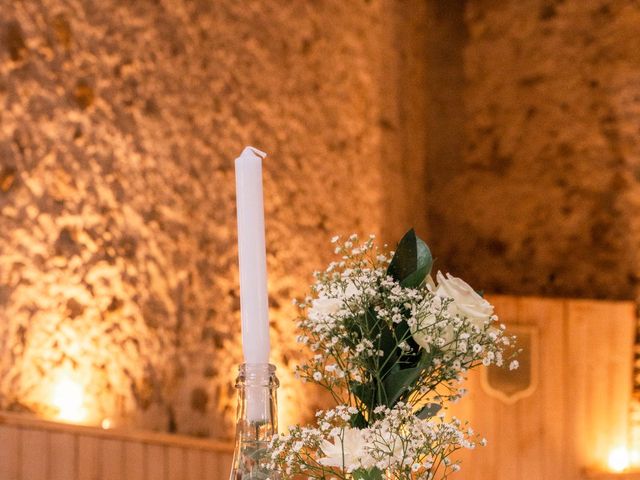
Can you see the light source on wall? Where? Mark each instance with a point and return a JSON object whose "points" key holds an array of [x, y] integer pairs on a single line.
{"points": [[620, 459], [68, 397], [106, 423]]}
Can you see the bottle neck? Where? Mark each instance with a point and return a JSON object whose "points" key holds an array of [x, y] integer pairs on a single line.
{"points": [[257, 399], [257, 375], [257, 420]]}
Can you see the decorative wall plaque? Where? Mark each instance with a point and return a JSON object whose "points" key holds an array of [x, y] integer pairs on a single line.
{"points": [[510, 386]]}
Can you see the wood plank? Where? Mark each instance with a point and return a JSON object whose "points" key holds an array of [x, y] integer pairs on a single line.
{"points": [[134, 461], [211, 466], [195, 465], [89, 458], [225, 459], [9, 452], [176, 466], [63, 456], [463, 410], [479, 462], [553, 403], [577, 418], [621, 357], [600, 355], [156, 463], [506, 458], [35, 454], [540, 416], [112, 464]]}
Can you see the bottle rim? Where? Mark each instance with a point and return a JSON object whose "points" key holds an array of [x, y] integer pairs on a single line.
{"points": [[256, 368]]}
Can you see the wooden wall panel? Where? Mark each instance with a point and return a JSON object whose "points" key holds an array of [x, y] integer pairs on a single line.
{"points": [[600, 353], [195, 465], [176, 466], [32, 449], [157, 462], [9, 452], [134, 460], [34, 460], [211, 465], [89, 458], [514, 432], [578, 411], [62, 456], [539, 417], [224, 464], [507, 461], [550, 400], [112, 465]]}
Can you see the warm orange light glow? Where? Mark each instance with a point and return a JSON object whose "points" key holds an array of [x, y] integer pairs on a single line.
{"points": [[106, 423], [619, 459], [68, 398], [288, 402], [286, 416]]}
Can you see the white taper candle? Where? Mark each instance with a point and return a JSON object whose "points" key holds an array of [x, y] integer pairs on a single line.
{"points": [[254, 300]]}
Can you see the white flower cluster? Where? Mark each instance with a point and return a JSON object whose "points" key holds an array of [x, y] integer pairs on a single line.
{"points": [[399, 444], [391, 346], [356, 302]]}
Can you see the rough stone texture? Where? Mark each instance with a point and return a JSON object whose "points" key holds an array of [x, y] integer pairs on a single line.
{"points": [[544, 199], [119, 122]]}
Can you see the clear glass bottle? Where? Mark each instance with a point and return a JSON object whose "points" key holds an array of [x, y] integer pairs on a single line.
{"points": [[257, 421]]}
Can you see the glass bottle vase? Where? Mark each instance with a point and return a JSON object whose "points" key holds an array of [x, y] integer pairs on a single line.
{"points": [[256, 422]]}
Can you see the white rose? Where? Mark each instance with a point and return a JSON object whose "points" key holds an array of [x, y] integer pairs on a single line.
{"points": [[466, 301]]}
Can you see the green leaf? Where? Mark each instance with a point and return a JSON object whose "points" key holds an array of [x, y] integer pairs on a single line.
{"points": [[372, 474], [358, 421], [376, 326], [412, 261], [387, 343], [408, 359], [429, 410], [364, 391], [400, 381]]}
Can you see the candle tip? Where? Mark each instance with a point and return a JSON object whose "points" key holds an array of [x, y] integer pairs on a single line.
{"points": [[253, 151]]}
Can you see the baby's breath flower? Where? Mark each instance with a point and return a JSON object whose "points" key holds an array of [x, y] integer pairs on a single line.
{"points": [[362, 327]]}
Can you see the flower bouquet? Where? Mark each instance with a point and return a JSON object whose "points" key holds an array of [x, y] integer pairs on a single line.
{"points": [[392, 347]]}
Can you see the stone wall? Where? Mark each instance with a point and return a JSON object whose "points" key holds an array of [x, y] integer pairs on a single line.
{"points": [[544, 195], [119, 122]]}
